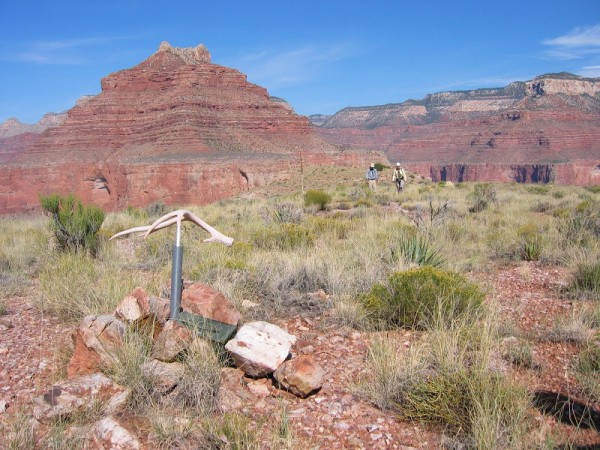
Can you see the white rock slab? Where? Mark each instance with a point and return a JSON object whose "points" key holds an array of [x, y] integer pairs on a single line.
{"points": [[259, 348], [110, 434]]}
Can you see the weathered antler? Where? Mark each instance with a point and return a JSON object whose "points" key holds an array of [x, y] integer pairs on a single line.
{"points": [[177, 217]]}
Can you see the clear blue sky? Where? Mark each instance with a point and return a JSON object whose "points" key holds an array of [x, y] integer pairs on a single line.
{"points": [[318, 55]]}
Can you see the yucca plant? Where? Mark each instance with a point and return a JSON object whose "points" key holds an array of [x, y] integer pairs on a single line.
{"points": [[418, 250]]}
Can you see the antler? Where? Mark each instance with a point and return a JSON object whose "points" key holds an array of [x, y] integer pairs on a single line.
{"points": [[177, 217]]}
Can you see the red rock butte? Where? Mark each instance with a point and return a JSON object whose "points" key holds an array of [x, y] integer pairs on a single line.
{"points": [[175, 128], [543, 130]]}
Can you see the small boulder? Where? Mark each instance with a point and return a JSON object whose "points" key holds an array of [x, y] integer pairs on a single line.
{"points": [[259, 348], [95, 342], [172, 340], [205, 301], [79, 394], [110, 434], [301, 376], [165, 375], [135, 307]]}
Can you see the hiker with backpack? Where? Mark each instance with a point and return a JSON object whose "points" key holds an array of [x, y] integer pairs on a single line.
{"points": [[399, 177], [371, 177]]}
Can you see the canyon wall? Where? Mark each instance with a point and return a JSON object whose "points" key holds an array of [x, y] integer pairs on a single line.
{"points": [[540, 131]]}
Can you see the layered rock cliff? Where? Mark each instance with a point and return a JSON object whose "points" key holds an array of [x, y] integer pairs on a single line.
{"points": [[175, 128], [549, 125]]}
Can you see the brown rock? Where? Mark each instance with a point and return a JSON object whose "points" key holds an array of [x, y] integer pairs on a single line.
{"points": [[301, 376], [208, 302], [165, 375], [172, 340], [95, 341]]}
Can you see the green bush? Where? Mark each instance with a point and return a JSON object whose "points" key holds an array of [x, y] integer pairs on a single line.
{"points": [[319, 198], [74, 225], [594, 189], [414, 298]]}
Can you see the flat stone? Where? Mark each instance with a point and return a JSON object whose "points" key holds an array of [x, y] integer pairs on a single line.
{"points": [[79, 394], [259, 348]]}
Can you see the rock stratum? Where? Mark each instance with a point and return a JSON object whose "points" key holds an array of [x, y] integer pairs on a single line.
{"points": [[175, 128], [543, 130]]}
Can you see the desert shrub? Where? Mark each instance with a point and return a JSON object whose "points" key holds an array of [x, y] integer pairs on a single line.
{"points": [[594, 189], [541, 207], [415, 297], [329, 225], [318, 198], [74, 225], [558, 194], [583, 224], [482, 196], [156, 209], [417, 249], [285, 213], [538, 189], [586, 280], [380, 167], [287, 236], [446, 379]]}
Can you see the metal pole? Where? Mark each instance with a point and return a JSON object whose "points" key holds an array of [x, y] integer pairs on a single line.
{"points": [[176, 276]]}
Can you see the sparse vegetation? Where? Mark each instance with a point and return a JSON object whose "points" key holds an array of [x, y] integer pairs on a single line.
{"points": [[397, 271]]}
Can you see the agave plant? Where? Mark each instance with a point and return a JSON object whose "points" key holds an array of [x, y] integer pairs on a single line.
{"points": [[417, 249]]}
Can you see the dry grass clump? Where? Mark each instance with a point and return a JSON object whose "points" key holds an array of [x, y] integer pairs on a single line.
{"points": [[76, 285], [588, 370]]}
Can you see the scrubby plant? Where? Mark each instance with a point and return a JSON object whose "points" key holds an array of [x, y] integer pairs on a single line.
{"points": [[285, 212], [418, 249], [531, 242], [413, 298], [156, 209], [74, 224], [586, 280], [318, 198], [482, 196], [287, 236]]}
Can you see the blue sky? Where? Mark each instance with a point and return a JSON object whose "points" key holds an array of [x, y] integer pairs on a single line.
{"points": [[320, 56]]}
